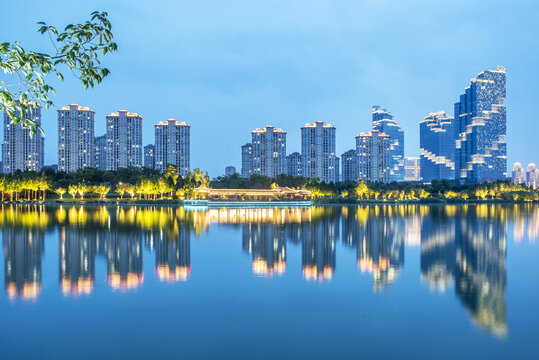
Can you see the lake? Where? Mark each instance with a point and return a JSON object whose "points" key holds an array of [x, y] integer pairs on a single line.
{"points": [[373, 282]]}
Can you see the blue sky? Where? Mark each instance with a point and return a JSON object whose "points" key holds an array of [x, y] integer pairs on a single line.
{"points": [[227, 67]]}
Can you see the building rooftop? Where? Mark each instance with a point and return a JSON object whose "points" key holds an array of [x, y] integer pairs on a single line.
{"points": [[126, 112], [370, 133], [266, 128], [317, 122], [174, 121], [77, 106]]}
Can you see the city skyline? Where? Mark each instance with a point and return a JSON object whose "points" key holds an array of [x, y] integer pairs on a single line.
{"points": [[333, 69]]}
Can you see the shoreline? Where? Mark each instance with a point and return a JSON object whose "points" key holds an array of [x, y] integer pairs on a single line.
{"points": [[171, 203]]}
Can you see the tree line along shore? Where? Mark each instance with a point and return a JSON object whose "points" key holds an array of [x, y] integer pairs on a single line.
{"points": [[148, 185]]}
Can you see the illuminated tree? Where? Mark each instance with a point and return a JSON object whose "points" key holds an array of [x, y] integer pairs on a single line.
{"points": [[73, 190], [60, 191]]}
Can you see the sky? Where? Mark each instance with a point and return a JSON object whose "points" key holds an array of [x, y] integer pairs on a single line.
{"points": [[228, 67]]}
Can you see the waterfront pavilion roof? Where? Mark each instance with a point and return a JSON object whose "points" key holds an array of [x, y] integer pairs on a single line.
{"points": [[280, 191]]}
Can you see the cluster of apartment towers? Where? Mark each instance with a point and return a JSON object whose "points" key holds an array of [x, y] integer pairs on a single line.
{"points": [[469, 147], [78, 148]]}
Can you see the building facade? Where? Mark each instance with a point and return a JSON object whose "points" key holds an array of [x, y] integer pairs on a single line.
{"points": [[349, 166], [293, 164], [20, 151], [318, 151], [480, 128], [269, 151], [246, 160], [373, 156], [230, 170], [76, 148], [532, 176], [437, 143], [149, 156], [412, 169], [124, 140], [518, 176], [100, 152], [384, 122], [172, 145]]}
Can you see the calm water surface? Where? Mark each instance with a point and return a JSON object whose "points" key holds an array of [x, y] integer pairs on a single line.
{"points": [[378, 282]]}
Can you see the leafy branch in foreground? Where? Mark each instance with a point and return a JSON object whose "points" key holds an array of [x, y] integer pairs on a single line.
{"points": [[79, 48]]}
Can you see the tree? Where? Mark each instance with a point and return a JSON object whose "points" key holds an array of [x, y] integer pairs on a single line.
{"points": [[60, 191], [82, 189], [102, 190], [121, 189], [79, 48], [73, 190], [361, 189], [481, 193]]}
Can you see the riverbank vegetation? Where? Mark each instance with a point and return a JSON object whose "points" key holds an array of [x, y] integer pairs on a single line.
{"points": [[147, 185]]}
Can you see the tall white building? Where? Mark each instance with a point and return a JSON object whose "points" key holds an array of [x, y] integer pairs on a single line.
{"points": [[124, 140], [269, 151], [373, 156], [412, 168], [349, 165], [532, 176], [76, 148], [100, 152], [19, 150], [518, 174], [172, 145], [318, 151], [246, 160]]}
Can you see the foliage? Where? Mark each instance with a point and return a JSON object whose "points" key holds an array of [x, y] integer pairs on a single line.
{"points": [[78, 48]]}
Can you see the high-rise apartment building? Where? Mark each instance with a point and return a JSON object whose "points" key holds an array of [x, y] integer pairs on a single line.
{"points": [[384, 122], [412, 169], [230, 170], [172, 145], [269, 151], [349, 165], [246, 160], [373, 156], [480, 127], [20, 151], [437, 143], [293, 164], [149, 156], [318, 151], [124, 140], [518, 174], [532, 176], [100, 152], [76, 148]]}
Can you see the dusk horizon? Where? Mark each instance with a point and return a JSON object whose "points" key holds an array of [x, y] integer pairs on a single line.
{"points": [[238, 74]]}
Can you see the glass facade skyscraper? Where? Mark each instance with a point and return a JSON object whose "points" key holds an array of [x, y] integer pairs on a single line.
{"points": [[384, 122], [480, 121], [437, 143]]}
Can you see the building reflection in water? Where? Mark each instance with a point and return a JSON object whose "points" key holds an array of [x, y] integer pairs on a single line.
{"points": [[377, 233], [123, 251], [23, 250], [461, 246], [438, 249], [77, 250], [172, 255], [466, 246], [481, 277], [267, 245], [318, 245]]}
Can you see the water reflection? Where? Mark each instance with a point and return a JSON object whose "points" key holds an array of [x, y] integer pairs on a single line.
{"points": [[23, 249], [461, 247]]}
